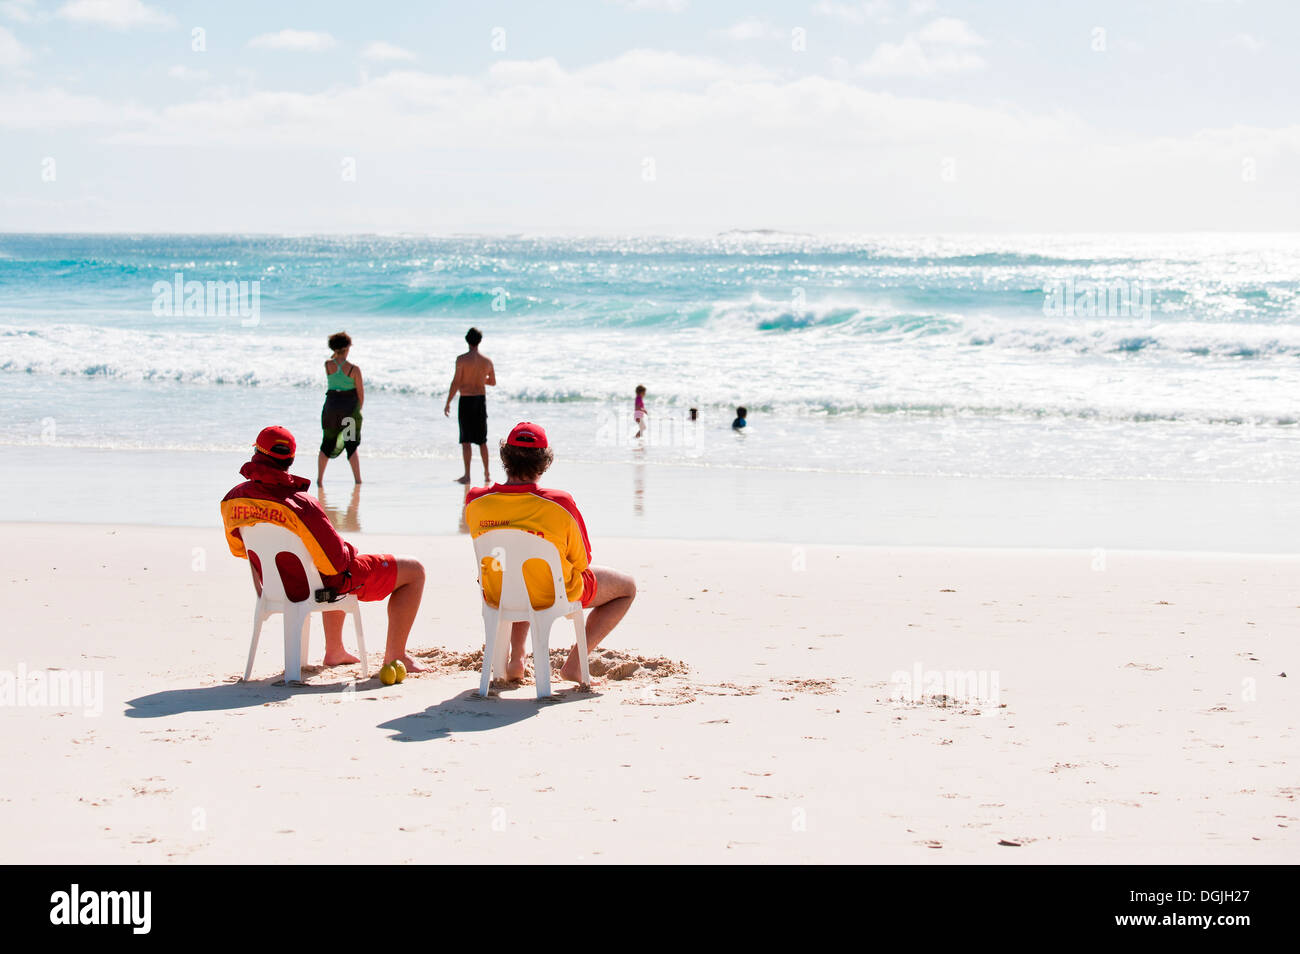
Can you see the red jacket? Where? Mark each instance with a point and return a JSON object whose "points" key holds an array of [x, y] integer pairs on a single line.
{"points": [[277, 496]]}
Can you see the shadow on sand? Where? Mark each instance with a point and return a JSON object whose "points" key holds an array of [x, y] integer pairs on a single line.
{"points": [[232, 695], [469, 712]]}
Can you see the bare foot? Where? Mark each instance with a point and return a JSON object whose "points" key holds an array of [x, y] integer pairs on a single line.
{"points": [[463, 480], [516, 670], [572, 672], [487, 479], [409, 663], [341, 658]]}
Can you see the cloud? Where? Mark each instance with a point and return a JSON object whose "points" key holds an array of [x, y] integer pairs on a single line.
{"points": [[528, 142], [940, 47], [948, 31], [300, 41], [694, 103], [661, 69], [118, 14], [752, 29], [379, 50], [1247, 42], [22, 11], [55, 108], [12, 53]]}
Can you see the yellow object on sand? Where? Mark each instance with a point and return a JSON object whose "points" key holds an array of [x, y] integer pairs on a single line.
{"points": [[401, 669], [388, 674]]}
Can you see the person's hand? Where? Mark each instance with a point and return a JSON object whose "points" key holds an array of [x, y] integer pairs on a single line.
{"points": [[446, 409]]}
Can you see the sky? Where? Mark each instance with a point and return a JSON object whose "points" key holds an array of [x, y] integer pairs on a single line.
{"points": [[649, 116]]}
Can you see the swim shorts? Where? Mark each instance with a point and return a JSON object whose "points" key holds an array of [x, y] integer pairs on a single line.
{"points": [[588, 587], [374, 576], [340, 423], [472, 414]]}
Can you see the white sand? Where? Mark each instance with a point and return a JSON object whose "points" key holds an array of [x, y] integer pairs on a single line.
{"points": [[1145, 719]]}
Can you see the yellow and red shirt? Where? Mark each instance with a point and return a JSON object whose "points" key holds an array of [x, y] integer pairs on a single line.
{"points": [[548, 513]]}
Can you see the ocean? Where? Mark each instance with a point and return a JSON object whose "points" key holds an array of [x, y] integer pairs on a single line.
{"points": [[1125, 357]]}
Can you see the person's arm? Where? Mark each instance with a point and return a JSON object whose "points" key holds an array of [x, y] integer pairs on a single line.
{"points": [[361, 387], [491, 375], [451, 390], [330, 552]]}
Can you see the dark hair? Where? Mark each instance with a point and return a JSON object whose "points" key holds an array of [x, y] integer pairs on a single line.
{"points": [[640, 389], [270, 461], [525, 463], [741, 412], [473, 336], [340, 341]]}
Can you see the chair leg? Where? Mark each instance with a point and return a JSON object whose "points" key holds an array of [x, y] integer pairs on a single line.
{"points": [[355, 611], [306, 638], [258, 618], [491, 630], [501, 658], [580, 630], [292, 646], [541, 656]]}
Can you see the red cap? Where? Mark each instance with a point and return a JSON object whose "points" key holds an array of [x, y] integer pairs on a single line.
{"points": [[276, 442], [527, 435]]}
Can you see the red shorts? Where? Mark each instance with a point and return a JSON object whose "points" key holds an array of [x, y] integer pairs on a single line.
{"points": [[588, 587], [373, 576]]}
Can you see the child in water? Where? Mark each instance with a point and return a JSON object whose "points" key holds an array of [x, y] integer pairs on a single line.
{"points": [[639, 414], [739, 422]]}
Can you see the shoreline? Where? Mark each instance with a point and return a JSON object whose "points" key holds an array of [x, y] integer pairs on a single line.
{"points": [[666, 501]]}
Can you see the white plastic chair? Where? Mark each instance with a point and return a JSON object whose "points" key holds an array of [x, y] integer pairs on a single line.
{"points": [[511, 549], [268, 541]]}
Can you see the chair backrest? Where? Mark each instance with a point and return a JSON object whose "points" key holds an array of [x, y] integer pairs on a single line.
{"points": [[511, 549], [268, 541]]}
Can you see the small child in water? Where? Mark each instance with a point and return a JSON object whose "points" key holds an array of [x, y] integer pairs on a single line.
{"points": [[639, 414], [739, 422]]}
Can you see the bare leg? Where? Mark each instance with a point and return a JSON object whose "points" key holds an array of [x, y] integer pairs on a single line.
{"points": [[321, 461], [355, 461], [483, 449], [465, 452], [517, 666], [615, 592], [402, 607], [335, 654]]}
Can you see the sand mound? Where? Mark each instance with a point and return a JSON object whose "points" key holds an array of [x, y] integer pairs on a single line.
{"points": [[615, 665], [445, 660], [609, 664]]}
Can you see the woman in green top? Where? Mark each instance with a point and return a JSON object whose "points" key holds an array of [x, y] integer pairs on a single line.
{"points": [[340, 418]]}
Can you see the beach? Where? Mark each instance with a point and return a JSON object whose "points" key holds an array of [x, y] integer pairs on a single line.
{"points": [[987, 579], [778, 702]]}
